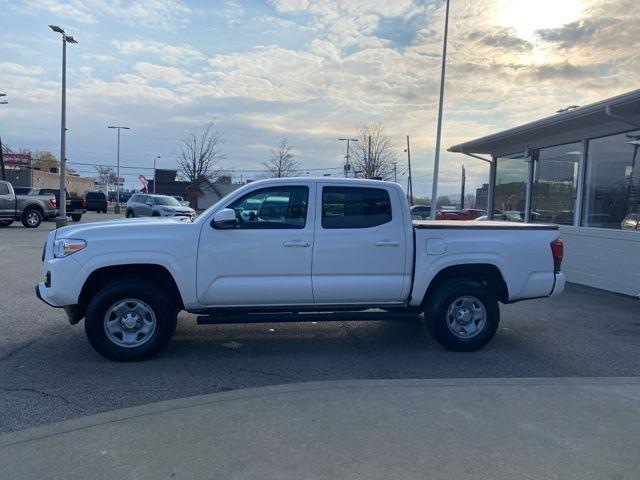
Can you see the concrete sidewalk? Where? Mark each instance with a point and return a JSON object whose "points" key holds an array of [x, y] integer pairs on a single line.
{"points": [[443, 429]]}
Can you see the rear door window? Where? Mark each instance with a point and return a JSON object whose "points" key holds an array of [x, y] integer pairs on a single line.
{"points": [[355, 207]]}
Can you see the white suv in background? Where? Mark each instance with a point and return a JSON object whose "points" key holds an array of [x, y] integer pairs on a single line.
{"points": [[143, 205]]}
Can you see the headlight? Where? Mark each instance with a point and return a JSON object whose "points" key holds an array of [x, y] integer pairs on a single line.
{"points": [[167, 209], [66, 246]]}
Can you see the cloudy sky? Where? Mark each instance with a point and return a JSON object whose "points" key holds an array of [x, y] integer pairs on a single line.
{"points": [[307, 70]]}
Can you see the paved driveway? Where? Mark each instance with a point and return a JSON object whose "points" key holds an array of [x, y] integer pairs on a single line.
{"points": [[48, 371]]}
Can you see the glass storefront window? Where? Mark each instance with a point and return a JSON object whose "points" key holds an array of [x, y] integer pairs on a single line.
{"points": [[555, 180], [511, 188], [612, 182]]}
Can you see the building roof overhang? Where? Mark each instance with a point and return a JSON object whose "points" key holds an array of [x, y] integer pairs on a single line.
{"points": [[605, 117]]}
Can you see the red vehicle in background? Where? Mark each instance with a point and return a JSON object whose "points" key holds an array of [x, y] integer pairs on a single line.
{"points": [[464, 214]]}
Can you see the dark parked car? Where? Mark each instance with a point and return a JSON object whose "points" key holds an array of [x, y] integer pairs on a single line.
{"points": [[465, 214], [75, 204], [96, 202], [29, 209], [420, 212]]}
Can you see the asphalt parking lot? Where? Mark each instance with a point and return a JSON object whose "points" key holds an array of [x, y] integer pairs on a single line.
{"points": [[48, 371]]}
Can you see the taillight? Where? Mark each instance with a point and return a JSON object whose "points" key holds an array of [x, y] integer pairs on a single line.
{"points": [[52, 202], [557, 250], [84, 203]]}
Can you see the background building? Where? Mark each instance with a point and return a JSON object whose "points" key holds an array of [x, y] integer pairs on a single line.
{"points": [[579, 169], [168, 184]]}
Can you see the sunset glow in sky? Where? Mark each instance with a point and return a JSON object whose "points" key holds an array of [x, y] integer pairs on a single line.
{"points": [[308, 70]]}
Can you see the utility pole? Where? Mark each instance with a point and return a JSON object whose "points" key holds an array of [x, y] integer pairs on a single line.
{"points": [[2, 161], [366, 173], [347, 166], [464, 179], [154, 172], [436, 162], [410, 185], [116, 209], [2, 102], [395, 172], [61, 219]]}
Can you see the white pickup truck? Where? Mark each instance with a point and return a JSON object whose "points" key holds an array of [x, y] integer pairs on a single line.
{"points": [[295, 245]]}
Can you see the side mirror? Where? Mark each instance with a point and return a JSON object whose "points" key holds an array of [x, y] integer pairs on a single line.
{"points": [[224, 219]]}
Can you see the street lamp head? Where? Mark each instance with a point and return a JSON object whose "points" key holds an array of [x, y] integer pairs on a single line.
{"points": [[57, 29], [70, 39]]}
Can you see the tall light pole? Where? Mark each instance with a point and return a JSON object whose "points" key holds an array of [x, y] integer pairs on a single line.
{"points": [[347, 167], [436, 162], [462, 187], [116, 209], [2, 102], [410, 181], [154, 172], [61, 219]]}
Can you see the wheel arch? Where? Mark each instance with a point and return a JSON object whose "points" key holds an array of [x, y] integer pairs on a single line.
{"points": [[486, 273], [32, 206], [154, 273]]}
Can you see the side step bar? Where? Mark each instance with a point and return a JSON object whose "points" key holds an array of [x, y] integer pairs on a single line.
{"points": [[374, 316]]}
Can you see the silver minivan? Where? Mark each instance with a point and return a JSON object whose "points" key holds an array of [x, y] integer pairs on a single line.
{"points": [[144, 205]]}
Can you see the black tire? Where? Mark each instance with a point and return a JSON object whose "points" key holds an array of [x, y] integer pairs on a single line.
{"points": [[76, 218], [129, 214], [5, 223], [138, 290], [448, 295], [31, 218]]}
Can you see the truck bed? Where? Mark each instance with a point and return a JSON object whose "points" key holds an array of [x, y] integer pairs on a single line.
{"points": [[481, 225]]}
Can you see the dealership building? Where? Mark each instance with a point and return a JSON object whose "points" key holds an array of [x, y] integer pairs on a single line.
{"points": [[579, 169]]}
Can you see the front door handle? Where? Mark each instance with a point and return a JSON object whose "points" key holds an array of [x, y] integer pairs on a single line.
{"points": [[387, 243], [296, 243]]}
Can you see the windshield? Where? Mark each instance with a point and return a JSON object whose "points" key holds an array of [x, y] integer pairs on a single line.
{"points": [[169, 201]]}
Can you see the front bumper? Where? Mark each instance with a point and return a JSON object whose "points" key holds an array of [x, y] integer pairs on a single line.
{"points": [[74, 314], [40, 297]]}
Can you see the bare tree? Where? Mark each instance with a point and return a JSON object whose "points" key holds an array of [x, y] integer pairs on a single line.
{"points": [[106, 176], [375, 161], [470, 200], [281, 164], [198, 157], [443, 201]]}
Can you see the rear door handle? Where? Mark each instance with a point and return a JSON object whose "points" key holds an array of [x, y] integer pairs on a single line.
{"points": [[387, 243], [296, 243]]}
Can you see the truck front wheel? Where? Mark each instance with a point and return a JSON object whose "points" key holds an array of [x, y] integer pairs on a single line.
{"points": [[462, 315], [130, 320]]}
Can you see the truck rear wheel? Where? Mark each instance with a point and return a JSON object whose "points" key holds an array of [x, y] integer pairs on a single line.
{"points": [[462, 315], [130, 320], [31, 218]]}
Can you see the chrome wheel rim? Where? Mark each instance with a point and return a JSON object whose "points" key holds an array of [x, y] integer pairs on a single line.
{"points": [[129, 323], [466, 317], [33, 218]]}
